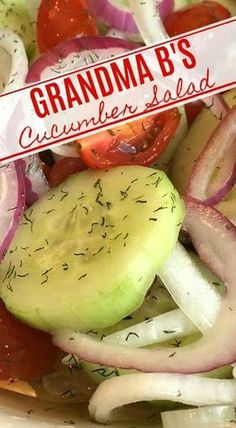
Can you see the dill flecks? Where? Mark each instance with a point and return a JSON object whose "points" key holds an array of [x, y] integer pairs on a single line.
{"points": [[29, 221], [131, 333], [65, 194], [82, 276], [98, 251], [102, 371]]}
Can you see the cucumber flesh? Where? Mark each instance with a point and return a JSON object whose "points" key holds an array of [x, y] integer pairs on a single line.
{"points": [[87, 252], [157, 301], [192, 145]]}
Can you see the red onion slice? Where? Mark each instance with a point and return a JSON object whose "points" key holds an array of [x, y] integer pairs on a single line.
{"points": [[222, 144], [166, 7], [114, 14], [12, 203], [215, 240], [117, 14], [167, 326], [217, 105], [132, 388], [228, 206], [76, 53], [36, 183], [225, 178]]}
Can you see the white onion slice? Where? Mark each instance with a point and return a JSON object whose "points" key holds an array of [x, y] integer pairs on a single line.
{"points": [[234, 371], [148, 20], [215, 239], [167, 326], [193, 293], [66, 150], [74, 54], [12, 203], [198, 417], [13, 71], [14, 47], [187, 389]]}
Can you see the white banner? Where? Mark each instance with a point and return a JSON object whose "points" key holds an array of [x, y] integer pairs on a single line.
{"points": [[121, 89]]}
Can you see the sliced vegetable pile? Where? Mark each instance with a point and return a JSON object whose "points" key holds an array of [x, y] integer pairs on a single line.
{"points": [[119, 248]]}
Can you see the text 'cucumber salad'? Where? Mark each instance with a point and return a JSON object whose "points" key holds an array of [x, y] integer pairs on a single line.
{"points": [[118, 251]]}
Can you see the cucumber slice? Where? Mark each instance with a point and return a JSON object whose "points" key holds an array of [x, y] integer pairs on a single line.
{"points": [[87, 252], [15, 16], [157, 301]]}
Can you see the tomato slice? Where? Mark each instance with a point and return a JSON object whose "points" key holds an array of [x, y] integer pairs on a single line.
{"points": [[63, 169], [138, 143], [25, 353], [195, 16], [60, 20]]}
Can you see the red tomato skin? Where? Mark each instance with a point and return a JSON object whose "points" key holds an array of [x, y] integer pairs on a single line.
{"points": [[25, 353], [195, 16], [102, 150], [60, 20], [63, 168], [192, 110]]}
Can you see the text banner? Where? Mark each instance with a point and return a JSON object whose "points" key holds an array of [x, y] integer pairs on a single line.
{"points": [[131, 86]]}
